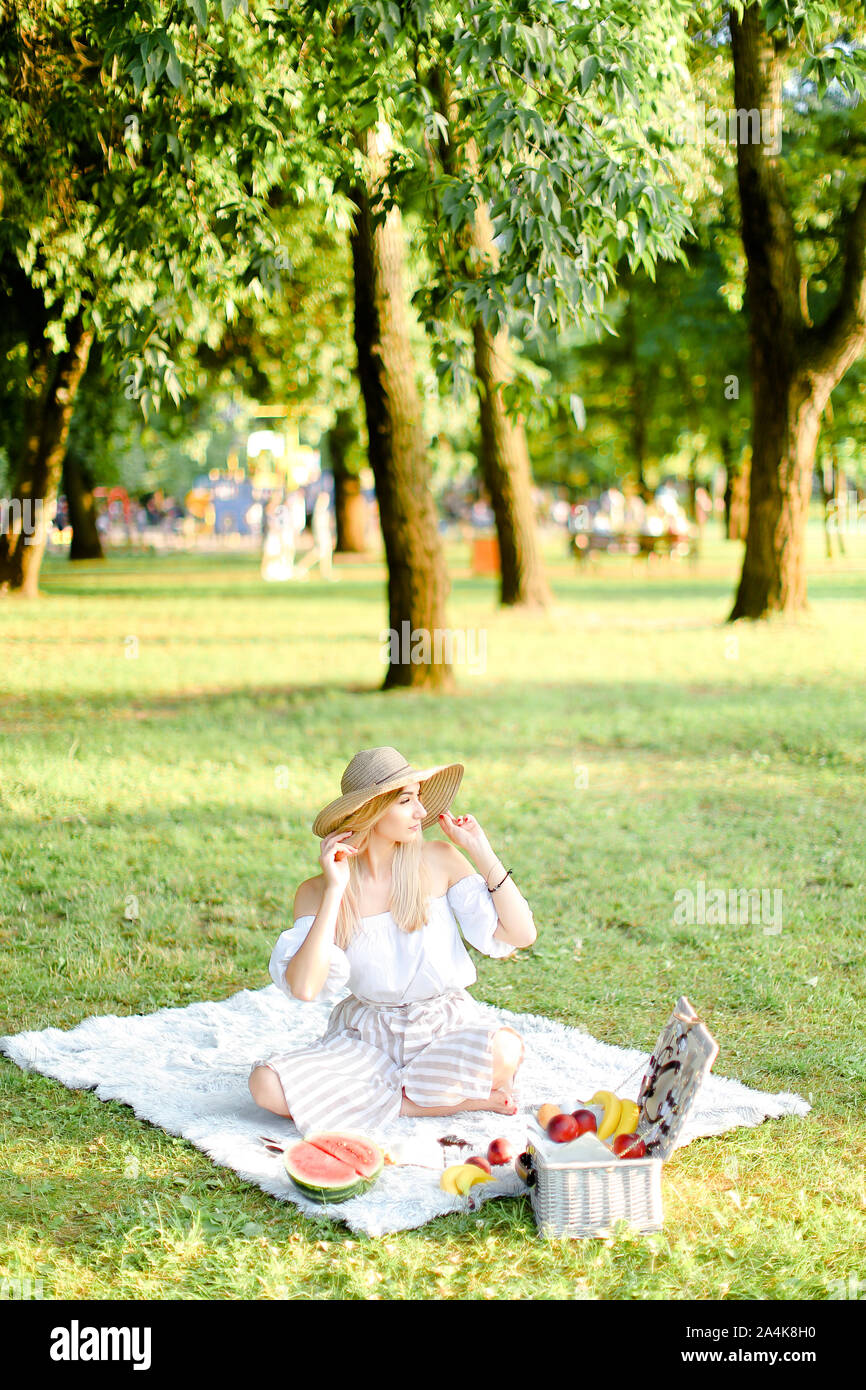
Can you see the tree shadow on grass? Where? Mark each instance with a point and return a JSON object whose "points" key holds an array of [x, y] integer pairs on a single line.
{"points": [[522, 699], [804, 722], [181, 590]]}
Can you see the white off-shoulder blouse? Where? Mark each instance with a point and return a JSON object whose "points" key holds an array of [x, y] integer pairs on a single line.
{"points": [[384, 965]]}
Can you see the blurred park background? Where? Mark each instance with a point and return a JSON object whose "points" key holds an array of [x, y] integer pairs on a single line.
{"points": [[502, 322], [569, 269]]}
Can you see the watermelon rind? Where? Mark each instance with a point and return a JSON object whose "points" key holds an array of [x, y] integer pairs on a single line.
{"points": [[338, 1143], [330, 1195]]}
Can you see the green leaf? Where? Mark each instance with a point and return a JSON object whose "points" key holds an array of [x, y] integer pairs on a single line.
{"points": [[640, 234], [588, 70], [174, 71]]}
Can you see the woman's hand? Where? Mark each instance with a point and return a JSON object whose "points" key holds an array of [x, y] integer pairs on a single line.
{"points": [[334, 858], [466, 834]]}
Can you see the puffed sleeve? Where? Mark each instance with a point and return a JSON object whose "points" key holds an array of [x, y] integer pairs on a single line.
{"points": [[474, 909], [291, 942]]}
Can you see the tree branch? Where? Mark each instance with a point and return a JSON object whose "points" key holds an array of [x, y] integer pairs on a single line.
{"points": [[842, 336]]}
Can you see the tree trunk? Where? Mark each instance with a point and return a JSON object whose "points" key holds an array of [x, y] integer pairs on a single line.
{"points": [[638, 438], [504, 457], [726, 451], [637, 394], [795, 366], [86, 543], [349, 504], [785, 436], [737, 498], [40, 462], [827, 496], [508, 478], [692, 497], [840, 501], [417, 578], [833, 515]]}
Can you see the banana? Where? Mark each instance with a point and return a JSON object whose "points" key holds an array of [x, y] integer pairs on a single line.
{"points": [[628, 1118], [461, 1176], [470, 1176], [612, 1112], [446, 1182]]}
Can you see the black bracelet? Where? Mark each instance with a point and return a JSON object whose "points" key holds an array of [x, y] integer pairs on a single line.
{"points": [[499, 884]]}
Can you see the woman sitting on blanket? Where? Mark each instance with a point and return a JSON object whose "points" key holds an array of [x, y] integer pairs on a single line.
{"points": [[379, 920]]}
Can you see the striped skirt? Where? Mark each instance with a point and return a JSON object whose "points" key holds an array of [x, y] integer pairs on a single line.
{"points": [[439, 1050]]}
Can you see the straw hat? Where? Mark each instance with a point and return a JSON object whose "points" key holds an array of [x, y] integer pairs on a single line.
{"points": [[377, 770]]}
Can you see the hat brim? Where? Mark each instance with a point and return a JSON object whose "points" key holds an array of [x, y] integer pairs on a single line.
{"points": [[437, 788]]}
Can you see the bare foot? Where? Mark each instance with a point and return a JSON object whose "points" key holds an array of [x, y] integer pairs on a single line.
{"points": [[501, 1101]]}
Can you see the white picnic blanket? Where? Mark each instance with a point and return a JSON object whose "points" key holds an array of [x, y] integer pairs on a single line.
{"points": [[186, 1070]]}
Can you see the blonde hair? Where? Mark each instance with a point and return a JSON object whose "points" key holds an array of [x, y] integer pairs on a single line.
{"points": [[410, 879]]}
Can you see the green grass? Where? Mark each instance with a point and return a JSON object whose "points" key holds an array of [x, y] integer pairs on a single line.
{"points": [[156, 812]]}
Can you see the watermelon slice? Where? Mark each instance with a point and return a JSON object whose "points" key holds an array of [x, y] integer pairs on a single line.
{"points": [[355, 1150], [333, 1166]]}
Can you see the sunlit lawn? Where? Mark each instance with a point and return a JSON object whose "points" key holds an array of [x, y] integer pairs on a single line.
{"points": [[170, 725]]}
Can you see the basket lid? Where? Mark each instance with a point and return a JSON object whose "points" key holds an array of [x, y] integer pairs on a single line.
{"points": [[679, 1064]]}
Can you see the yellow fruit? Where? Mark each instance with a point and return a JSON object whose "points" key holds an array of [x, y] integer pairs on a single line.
{"points": [[628, 1119], [446, 1182], [546, 1114], [461, 1176], [471, 1175], [612, 1112]]}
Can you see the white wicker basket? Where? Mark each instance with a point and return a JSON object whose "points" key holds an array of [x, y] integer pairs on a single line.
{"points": [[586, 1199]]}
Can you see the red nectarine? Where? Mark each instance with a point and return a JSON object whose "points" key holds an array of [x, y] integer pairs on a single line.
{"points": [[499, 1151], [586, 1121], [480, 1162], [562, 1128], [629, 1146]]}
